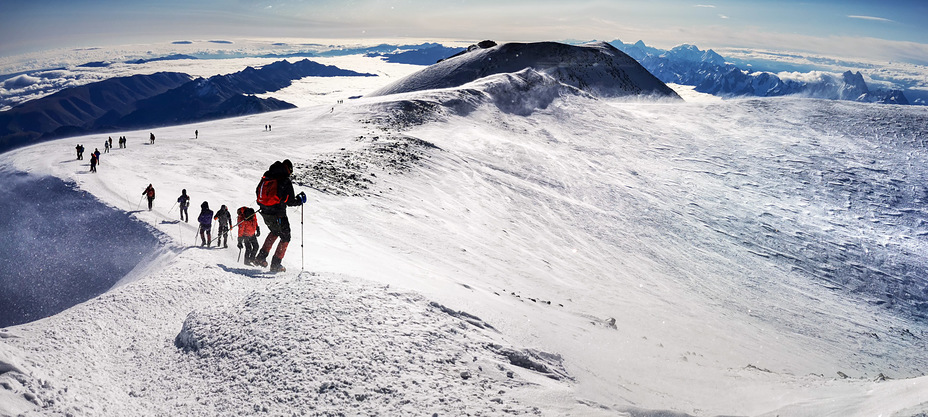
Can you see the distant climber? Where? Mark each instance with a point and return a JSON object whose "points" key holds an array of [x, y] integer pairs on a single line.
{"points": [[206, 224], [196, 133], [274, 193], [80, 151], [225, 223], [152, 138], [150, 194], [93, 162], [248, 232], [106, 146], [184, 201]]}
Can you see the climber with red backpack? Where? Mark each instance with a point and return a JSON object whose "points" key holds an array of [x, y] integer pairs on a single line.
{"points": [[248, 232], [274, 194]]}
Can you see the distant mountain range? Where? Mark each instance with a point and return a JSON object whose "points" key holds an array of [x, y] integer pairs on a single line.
{"points": [[710, 73], [603, 69], [160, 99], [424, 54]]}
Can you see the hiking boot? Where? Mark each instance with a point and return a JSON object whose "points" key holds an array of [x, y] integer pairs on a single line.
{"points": [[260, 259], [276, 266]]}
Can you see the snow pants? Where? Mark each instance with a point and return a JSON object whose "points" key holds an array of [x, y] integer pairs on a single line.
{"points": [[223, 235], [206, 234], [278, 226], [251, 247]]}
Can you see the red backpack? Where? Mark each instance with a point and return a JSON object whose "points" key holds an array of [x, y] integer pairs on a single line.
{"points": [[267, 192]]}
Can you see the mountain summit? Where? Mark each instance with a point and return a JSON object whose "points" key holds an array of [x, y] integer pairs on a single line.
{"points": [[599, 69]]}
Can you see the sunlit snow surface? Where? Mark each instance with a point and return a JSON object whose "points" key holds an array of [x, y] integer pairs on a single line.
{"points": [[589, 258]]}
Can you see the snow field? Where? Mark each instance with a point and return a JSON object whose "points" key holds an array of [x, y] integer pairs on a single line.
{"points": [[661, 251]]}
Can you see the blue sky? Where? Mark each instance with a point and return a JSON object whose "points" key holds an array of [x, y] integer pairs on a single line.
{"points": [[890, 29]]}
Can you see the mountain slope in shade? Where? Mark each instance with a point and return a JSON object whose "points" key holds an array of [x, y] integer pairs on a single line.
{"points": [[599, 69], [78, 108]]}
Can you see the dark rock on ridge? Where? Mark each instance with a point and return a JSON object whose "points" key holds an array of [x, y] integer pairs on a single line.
{"points": [[599, 69]]}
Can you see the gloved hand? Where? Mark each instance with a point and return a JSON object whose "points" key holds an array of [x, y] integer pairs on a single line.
{"points": [[239, 244], [302, 197]]}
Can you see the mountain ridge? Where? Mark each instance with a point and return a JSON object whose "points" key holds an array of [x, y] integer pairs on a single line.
{"points": [[598, 69]]}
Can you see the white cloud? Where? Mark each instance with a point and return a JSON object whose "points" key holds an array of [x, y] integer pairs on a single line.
{"points": [[721, 16], [878, 19], [705, 5], [807, 77], [21, 81]]}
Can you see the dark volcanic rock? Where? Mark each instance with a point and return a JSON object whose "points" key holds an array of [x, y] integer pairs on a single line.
{"points": [[599, 69]]}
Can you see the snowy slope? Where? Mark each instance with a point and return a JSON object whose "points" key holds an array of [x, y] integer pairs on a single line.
{"points": [[581, 257], [599, 69]]}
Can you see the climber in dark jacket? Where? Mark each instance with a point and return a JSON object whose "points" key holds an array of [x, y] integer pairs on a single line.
{"points": [[206, 224], [275, 193], [225, 223]]}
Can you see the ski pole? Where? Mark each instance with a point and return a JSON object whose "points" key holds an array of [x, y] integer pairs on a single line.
{"points": [[172, 207], [139, 206]]}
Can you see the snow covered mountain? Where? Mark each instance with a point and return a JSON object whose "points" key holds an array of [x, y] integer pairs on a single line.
{"points": [[597, 69], [709, 73], [462, 255], [163, 98]]}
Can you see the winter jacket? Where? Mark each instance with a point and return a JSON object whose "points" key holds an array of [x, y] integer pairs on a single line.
{"points": [[284, 190], [206, 218], [247, 222], [225, 219], [184, 201], [150, 192]]}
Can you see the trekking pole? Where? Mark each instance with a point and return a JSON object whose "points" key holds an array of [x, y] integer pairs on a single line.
{"points": [[139, 206], [172, 207], [244, 220], [239, 255], [302, 239]]}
